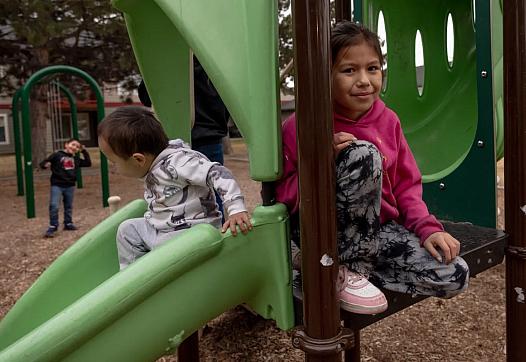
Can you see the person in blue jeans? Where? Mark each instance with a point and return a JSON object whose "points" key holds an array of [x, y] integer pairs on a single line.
{"points": [[211, 117], [64, 165]]}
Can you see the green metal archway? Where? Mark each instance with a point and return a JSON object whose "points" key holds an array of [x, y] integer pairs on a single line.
{"points": [[17, 141], [24, 94]]}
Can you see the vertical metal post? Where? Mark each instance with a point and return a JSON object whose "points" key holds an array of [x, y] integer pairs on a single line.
{"points": [[343, 10], [104, 172], [322, 337], [28, 154], [515, 175], [188, 351], [353, 354]]}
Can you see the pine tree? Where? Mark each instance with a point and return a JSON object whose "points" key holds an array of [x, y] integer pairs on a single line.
{"points": [[90, 35]]}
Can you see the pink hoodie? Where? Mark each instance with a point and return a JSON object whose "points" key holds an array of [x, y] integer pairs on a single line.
{"points": [[401, 183]]}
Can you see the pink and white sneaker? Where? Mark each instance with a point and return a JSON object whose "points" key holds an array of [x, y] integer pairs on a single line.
{"points": [[358, 295]]}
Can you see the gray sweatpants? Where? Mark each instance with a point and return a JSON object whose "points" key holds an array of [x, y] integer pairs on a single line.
{"points": [[389, 254], [136, 237]]}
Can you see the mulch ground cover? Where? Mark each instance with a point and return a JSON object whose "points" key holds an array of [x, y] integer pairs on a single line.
{"points": [[470, 327]]}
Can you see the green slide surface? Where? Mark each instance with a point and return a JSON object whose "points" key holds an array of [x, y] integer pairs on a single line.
{"points": [[83, 309]]}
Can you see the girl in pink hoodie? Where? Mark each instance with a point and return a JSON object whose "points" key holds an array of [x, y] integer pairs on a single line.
{"points": [[384, 230]]}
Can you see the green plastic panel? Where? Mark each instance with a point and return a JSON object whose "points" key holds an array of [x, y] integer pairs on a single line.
{"points": [[445, 124], [83, 309], [164, 61], [236, 42]]}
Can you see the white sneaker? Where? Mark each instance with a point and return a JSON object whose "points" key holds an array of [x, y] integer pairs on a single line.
{"points": [[358, 295]]}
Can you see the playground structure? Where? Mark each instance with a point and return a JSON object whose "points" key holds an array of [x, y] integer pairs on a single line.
{"points": [[24, 170], [54, 110], [82, 308]]}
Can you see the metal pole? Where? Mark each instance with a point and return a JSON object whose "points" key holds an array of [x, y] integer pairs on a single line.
{"points": [[104, 175], [322, 338], [343, 9], [353, 354], [188, 351], [515, 175], [28, 153]]}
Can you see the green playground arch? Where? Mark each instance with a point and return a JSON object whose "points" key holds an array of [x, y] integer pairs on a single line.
{"points": [[17, 141], [24, 94]]}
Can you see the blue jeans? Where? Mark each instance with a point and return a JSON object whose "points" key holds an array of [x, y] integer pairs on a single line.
{"points": [[54, 201], [214, 153]]}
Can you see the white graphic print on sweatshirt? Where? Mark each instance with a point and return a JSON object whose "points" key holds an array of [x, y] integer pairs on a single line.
{"points": [[179, 189]]}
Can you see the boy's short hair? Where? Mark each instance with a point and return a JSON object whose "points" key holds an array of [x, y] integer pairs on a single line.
{"points": [[133, 129], [71, 140]]}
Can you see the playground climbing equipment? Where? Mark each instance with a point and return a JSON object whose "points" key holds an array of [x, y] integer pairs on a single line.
{"points": [[22, 96], [82, 308]]}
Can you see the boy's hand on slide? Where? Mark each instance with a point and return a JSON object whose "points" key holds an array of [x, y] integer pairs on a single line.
{"points": [[241, 219], [340, 141], [445, 242]]}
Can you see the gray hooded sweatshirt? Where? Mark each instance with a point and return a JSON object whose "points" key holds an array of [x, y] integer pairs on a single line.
{"points": [[179, 189]]}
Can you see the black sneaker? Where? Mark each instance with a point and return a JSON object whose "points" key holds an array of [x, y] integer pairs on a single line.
{"points": [[70, 226], [50, 232]]}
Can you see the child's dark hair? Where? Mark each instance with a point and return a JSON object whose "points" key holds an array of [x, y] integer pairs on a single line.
{"points": [[71, 140], [345, 34], [133, 129]]}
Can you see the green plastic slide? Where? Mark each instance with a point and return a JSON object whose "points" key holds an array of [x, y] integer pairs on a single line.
{"points": [[83, 309]]}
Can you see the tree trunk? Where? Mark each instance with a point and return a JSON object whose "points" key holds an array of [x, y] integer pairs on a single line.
{"points": [[39, 113], [38, 109]]}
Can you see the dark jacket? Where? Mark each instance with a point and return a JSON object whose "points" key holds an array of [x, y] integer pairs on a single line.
{"points": [[64, 167], [211, 115]]}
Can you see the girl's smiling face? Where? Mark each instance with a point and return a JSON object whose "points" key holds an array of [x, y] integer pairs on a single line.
{"points": [[356, 80]]}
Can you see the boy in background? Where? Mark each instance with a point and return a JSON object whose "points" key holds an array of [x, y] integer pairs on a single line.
{"points": [[64, 165]]}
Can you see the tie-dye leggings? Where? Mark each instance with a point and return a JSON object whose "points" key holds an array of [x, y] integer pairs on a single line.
{"points": [[389, 254]]}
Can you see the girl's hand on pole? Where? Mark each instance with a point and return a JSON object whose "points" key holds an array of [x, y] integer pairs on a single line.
{"points": [[340, 141], [448, 244], [241, 219]]}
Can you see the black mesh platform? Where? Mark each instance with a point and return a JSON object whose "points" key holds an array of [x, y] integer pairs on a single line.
{"points": [[481, 247]]}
